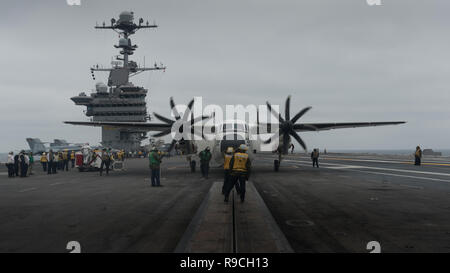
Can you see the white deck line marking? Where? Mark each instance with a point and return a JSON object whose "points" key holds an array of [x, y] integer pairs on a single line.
{"points": [[27, 190], [407, 176], [391, 174], [59, 183], [376, 168], [343, 167], [398, 161], [412, 187]]}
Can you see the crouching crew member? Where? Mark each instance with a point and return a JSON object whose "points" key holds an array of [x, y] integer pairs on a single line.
{"points": [[240, 167]]}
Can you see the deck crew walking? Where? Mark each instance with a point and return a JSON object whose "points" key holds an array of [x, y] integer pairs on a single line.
{"points": [[240, 167], [226, 166]]}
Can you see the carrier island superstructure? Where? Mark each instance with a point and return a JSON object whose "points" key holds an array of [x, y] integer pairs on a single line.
{"points": [[119, 99]]}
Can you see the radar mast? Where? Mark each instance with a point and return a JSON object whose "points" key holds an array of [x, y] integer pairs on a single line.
{"points": [[124, 102]]}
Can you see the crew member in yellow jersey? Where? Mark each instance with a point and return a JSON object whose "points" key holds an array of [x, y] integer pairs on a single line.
{"points": [[44, 161], [226, 166], [240, 167], [65, 157], [418, 156]]}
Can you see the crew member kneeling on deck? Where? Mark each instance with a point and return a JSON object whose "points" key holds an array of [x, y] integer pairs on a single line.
{"points": [[240, 167]]}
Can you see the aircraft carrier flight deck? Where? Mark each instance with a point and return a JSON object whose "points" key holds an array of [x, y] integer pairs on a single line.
{"points": [[350, 201]]}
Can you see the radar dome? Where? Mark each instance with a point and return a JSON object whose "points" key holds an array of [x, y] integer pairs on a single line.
{"points": [[126, 17]]}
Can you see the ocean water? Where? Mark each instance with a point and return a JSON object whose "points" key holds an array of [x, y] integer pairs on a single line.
{"points": [[3, 157]]}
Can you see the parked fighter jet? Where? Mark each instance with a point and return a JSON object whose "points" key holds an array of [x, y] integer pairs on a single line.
{"points": [[38, 147]]}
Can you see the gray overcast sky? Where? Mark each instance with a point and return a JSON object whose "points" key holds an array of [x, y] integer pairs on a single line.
{"points": [[350, 61]]}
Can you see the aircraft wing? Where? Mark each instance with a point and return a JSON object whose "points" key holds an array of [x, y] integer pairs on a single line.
{"points": [[308, 127], [145, 126]]}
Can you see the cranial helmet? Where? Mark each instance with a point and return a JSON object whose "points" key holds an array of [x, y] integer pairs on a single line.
{"points": [[243, 147]]}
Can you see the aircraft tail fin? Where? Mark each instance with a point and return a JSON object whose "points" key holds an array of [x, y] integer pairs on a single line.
{"points": [[36, 145]]}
